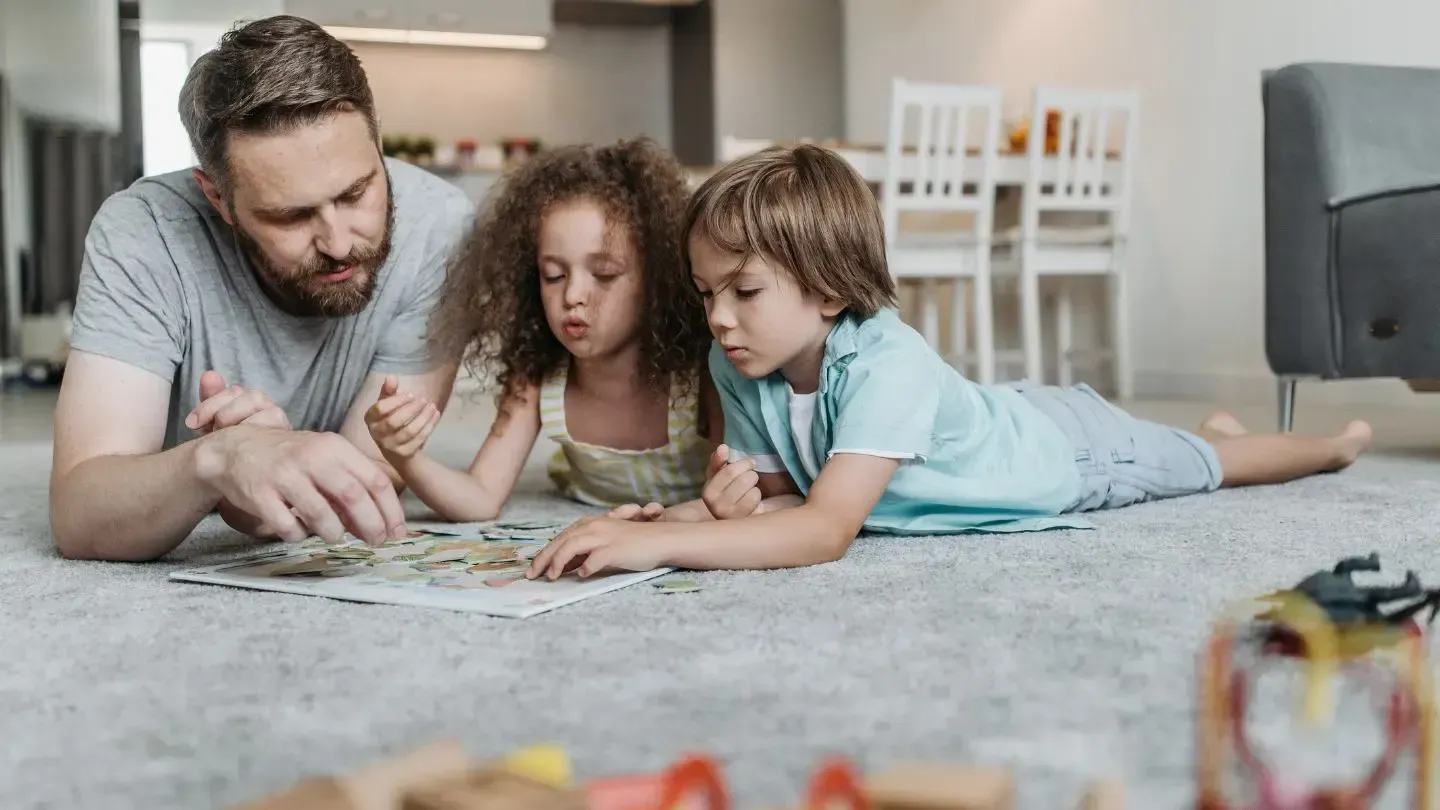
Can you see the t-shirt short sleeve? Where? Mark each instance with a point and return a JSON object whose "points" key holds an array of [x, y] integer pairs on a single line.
{"points": [[745, 433], [129, 304], [404, 346], [886, 405]]}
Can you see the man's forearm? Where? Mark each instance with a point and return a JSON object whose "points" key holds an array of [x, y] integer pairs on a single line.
{"points": [[789, 538], [129, 507]]}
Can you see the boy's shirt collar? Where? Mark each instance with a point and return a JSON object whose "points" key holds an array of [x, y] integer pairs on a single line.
{"points": [[841, 347]]}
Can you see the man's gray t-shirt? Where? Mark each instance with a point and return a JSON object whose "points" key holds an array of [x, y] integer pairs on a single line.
{"points": [[165, 287]]}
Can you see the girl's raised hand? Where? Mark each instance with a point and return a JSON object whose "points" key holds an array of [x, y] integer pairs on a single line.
{"points": [[400, 423]]}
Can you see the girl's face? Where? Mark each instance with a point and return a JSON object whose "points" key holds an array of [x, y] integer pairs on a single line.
{"points": [[589, 280]]}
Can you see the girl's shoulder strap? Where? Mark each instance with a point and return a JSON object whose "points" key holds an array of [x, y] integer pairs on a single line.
{"points": [[684, 411], [552, 404]]}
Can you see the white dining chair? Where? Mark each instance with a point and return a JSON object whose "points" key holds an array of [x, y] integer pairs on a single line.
{"points": [[732, 147], [1091, 172], [949, 168]]}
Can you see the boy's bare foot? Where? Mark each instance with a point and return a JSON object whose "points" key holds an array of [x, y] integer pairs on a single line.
{"points": [[1221, 424], [1352, 441]]}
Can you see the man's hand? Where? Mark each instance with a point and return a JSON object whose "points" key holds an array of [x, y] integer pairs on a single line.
{"points": [[648, 513], [400, 423], [298, 483], [731, 490], [598, 543], [223, 406]]}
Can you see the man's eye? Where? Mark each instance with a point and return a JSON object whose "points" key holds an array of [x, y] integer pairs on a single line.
{"points": [[747, 293]]}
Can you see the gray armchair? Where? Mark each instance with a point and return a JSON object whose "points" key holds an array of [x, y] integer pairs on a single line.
{"points": [[1352, 224]]}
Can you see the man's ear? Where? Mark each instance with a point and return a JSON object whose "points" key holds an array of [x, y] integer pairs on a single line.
{"points": [[831, 308], [212, 194]]}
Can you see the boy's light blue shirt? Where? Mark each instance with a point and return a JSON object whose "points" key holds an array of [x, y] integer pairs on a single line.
{"points": [[977, 458]]}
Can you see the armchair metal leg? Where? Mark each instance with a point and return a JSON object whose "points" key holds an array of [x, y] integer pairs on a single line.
{"points": [[1285, 390]]}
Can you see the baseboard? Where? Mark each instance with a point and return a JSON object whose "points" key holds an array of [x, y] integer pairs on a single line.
{"points": [[1253, 389]]}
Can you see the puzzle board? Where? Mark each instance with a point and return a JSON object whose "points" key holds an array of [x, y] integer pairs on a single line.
{"points": [[474, 567]]}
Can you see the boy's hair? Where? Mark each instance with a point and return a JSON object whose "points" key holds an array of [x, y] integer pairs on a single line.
{"points": [[491, 313], [805, 209], [269, 76]]}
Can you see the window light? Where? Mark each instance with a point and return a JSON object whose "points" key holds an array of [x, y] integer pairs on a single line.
{"points": [[461, 39]]}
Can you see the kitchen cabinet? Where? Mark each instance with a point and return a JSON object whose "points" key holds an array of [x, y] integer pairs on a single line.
{"points": [[518, 17]]}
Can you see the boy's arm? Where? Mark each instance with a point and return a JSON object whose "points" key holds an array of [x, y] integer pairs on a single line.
{"points": [[819, 530], [777, 491]]}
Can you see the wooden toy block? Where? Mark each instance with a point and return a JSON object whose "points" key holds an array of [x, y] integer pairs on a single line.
{"points": [[926, 786], [492, 789], [316, 793], [439, 777]]}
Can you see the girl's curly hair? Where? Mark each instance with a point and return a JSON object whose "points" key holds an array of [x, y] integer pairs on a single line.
{"points": [[491, 313]]}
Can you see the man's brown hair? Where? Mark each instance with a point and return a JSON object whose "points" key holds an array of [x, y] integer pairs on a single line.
{"points": [[805, 209], [265, 77]]}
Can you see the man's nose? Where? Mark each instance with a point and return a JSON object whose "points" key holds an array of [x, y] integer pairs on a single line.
{"points": [[334, 238]]}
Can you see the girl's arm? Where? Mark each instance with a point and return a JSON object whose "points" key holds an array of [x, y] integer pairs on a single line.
{"points": [[479, 493]]}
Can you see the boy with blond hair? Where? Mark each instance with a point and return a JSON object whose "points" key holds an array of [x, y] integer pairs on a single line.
{"points": [[839, 418]]}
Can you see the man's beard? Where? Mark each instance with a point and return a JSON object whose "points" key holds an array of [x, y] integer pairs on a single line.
{"points": [[302, 292]]}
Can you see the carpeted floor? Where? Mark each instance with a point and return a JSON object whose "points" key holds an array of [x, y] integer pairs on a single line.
{"points": [[1066, 656]]}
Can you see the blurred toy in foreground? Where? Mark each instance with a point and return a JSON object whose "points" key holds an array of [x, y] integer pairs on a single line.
{"points": [[440, 777], [1331, 626]]}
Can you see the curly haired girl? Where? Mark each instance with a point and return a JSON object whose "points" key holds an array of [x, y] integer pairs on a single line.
{"points": [[569, 294]]}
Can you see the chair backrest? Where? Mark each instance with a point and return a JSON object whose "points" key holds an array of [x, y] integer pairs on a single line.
{"points": [[951, 164], [732, 147], [1081, 151]]}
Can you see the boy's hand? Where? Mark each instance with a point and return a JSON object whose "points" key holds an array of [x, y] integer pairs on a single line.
{"points": [[641, 514], [732, 490], [595, 544], [400, 423]]}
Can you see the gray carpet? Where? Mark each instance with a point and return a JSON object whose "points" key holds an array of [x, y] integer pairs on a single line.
{"points": [[1066, 656]]}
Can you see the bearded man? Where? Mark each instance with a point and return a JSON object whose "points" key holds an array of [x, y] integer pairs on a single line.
{"points": [[235, 321]]}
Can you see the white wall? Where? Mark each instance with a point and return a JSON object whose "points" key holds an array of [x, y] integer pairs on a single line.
{"points": [[61, 59], [778, 69], [1197, 256], [589, 84]]}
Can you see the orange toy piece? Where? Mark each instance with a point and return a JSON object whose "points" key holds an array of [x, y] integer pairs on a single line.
{"points": [[693, 782], [836, 783]]}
